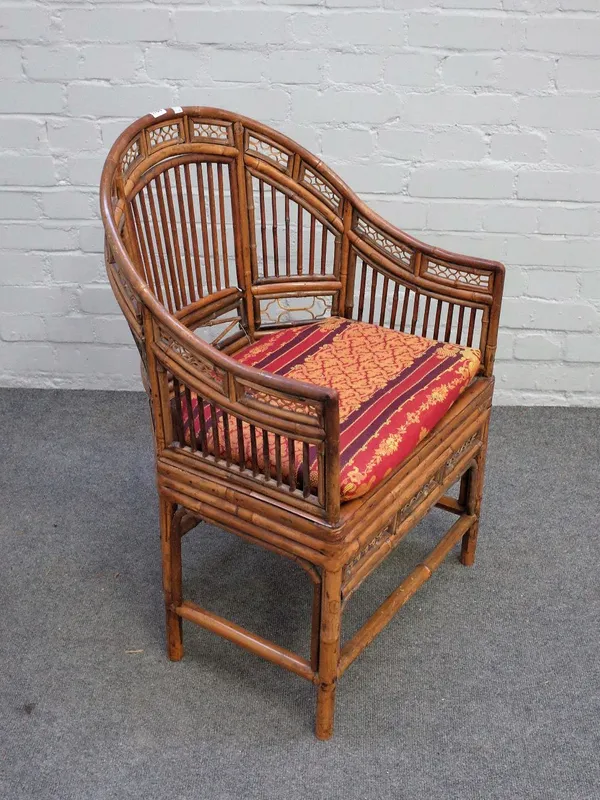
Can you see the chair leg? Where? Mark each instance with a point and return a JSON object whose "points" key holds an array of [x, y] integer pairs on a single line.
{"points": [[315, 632], [469, 540], [329, 651], [171, 564], [471, 492]]}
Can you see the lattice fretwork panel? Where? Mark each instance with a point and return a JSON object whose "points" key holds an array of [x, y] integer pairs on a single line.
{"points": [[131, 155], [267, 150], [170, 132], [210, 130], [477, 279], [321, 187], [288, 310], [400, 253]]}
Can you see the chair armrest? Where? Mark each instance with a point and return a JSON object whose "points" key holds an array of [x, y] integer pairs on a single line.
{"points": [[286, 414], [432, 292], [278, 433]]}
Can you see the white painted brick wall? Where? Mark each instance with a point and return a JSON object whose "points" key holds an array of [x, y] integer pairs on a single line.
{"points": [[473, 124]]}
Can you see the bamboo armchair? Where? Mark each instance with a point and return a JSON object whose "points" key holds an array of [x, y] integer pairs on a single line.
{"points": [[219, 232]]}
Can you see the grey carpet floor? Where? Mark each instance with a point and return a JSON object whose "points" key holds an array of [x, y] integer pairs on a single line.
{"points": [[486, 685]]}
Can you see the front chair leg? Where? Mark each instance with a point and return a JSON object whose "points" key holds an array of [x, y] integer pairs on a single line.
{"points": [[471, 492], [170, 536], [329, 650], [469, 540]]}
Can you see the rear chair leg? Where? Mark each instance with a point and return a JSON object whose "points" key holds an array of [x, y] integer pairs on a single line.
{"points": [[329, 651], [471, 492], [171, 564]]}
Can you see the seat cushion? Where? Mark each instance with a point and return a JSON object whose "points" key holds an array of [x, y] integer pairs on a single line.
{"points": [[393, 387]]}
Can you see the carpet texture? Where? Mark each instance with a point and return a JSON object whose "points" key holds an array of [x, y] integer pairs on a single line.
{"points": [[486, 685]]}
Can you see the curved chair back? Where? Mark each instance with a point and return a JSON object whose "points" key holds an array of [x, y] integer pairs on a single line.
{"points": [[216, 210]]}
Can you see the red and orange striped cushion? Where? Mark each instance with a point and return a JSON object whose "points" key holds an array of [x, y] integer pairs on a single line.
{"points": [[393, 388]]}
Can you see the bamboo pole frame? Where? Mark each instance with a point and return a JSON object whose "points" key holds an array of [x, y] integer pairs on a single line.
{"points": [[209, 216]]}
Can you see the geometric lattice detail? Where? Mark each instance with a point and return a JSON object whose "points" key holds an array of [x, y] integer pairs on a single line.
{"points": [[131, 154], [269, 151], [211, 373], [182, 351], [416, 499], [321, 187], [476, 279], [398, 517], [277, 310], [372, 545], [389, 246], [210, 130], [405, 510], [456, 456], [164, 133]]}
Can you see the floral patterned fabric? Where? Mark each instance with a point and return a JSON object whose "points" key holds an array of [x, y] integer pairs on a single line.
{"points": [[393, 389]]}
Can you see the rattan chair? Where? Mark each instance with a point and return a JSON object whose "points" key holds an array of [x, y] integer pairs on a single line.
{"points": [[318, 380]]}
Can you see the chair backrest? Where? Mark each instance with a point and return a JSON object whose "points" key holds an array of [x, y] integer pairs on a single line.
{"points": [[222, 213]]}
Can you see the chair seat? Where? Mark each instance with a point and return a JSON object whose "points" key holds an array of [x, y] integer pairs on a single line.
{"points": [[393, 389]]}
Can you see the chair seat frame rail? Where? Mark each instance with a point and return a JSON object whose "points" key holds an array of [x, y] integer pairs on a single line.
{"points": [[220, 230]]}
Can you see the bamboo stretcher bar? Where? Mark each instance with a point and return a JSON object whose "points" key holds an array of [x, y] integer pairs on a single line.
{"points": [[249, 641], [448, 503], [299, 288], [247, 523], [249, 493], [404, 592]]}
